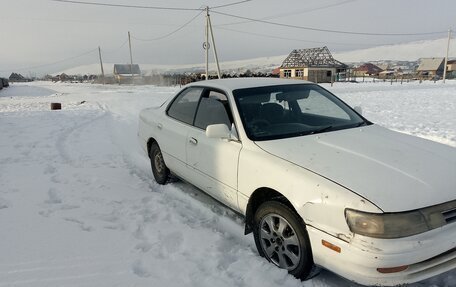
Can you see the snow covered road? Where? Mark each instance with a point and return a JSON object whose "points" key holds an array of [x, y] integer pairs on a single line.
{"points": [[79, 207]]}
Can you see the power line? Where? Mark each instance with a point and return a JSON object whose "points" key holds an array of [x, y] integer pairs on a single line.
{"points": [[128, 6], [83, 21], [291, 13], [326, 30], [117, 49], [230, 4], [317, 8], [171, 33], [293, 39], [147, 7], [53, 63]]}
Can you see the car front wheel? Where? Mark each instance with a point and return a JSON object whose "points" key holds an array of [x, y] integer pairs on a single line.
{"points": [[281, 237], [159, 168]]}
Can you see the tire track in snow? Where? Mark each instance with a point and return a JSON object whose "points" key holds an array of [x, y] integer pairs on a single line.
{"points": [[71, 279], [53, 268], [60, 272], [62, 139], [51, 261]]}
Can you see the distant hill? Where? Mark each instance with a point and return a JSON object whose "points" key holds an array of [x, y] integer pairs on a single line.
{"points": [[400, 52]]}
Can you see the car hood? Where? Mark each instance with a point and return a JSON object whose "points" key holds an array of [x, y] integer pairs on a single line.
{"points": [[394, 171]]}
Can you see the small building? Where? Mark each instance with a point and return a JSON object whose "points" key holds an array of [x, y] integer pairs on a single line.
{"points": [[4, 83], [430, 67], [367, 69], [451, 65], [64, 77], [276, 72], [16, 77], [451, 69], [387, 74], [126, 72], [384, 66], [315, 64]]}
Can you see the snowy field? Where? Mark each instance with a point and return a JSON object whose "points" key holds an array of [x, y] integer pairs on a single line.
{"points": [[79, 207]]}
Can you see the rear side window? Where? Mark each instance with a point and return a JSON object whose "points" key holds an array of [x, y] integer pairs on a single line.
{"points": [[183, 108]]}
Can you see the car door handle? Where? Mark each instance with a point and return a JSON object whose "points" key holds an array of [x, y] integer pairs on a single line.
{"points": [[193, 141], [159, 126]]}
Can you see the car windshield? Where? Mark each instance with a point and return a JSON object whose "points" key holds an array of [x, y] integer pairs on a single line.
{"points": [[283, 111]]}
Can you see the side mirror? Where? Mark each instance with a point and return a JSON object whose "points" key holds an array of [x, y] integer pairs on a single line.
{"points": [[359, 110], [220, 131]]}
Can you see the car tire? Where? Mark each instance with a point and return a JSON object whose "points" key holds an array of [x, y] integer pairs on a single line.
{"points": [[159, 169], [281, 237]]}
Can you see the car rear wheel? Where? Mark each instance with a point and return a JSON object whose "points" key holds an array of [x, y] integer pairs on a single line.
{"points": [[281, 237], [159, 168]]}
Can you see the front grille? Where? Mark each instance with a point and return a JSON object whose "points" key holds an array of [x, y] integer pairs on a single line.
{"points": [[440, 255], [449, 215], [444, 261]]}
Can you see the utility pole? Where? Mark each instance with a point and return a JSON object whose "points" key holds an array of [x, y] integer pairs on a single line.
{"points": [[101, 64], [213, 43], [206, 44], [131, 57], [446, 57]]}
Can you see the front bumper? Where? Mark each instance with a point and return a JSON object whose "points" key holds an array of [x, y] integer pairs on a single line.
{"points": [[426, 255]]}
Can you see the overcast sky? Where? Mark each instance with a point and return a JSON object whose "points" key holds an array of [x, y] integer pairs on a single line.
{"points": [[41, 32]]}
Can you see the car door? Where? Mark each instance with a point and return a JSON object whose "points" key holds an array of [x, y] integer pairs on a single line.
{"points": [[214, 162], [174, 127]]}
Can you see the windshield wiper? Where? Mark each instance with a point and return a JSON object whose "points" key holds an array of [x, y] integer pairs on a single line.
{"points": [[321, 130]]}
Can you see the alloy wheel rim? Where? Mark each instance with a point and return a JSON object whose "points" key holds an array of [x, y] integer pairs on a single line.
{"points": [[158, 160], [279, 241]]}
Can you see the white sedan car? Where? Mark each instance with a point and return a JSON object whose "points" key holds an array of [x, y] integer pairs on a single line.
{"points": [[318, 184]]}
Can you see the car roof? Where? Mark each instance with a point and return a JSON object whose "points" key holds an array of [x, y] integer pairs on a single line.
{"points": [[242, 83]]}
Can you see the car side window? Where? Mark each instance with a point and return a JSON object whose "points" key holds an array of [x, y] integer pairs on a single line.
{"points": [[213, 109], [183, 108]]}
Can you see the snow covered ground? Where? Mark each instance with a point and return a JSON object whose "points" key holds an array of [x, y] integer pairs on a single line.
{"points": [[78, 206]]}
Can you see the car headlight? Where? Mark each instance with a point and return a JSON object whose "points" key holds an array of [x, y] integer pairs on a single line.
{"points": [[390, 225]]}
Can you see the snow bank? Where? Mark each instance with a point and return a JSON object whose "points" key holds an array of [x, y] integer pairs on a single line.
{"points": [[411, 51]]}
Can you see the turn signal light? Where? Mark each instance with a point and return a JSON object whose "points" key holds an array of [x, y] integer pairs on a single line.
{"points": [[331, 246], [392, 269]]}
